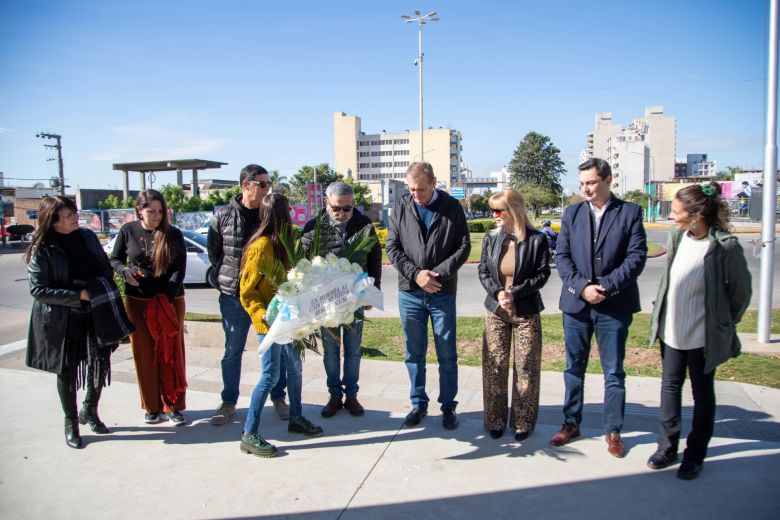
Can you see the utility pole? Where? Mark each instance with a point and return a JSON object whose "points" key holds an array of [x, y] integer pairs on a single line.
{"points": [[58, 147], [768, 215]]}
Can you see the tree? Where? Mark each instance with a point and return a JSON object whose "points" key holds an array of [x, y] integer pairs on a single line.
{"points": [[325, 176], [362, 193], [638, 197], [728, 174], [538, 197], [278, 183], [537, 161], [174, 196], [111, 202], [479, 202]]}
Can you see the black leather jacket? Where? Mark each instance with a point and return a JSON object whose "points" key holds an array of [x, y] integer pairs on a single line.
{"points": [[532, 269], [55, 295]]}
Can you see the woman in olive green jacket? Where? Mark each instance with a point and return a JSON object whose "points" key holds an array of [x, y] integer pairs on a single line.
{"points": [[702, 296]]}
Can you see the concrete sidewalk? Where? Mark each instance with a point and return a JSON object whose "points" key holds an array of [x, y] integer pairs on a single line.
{"points": [[372, 466]]}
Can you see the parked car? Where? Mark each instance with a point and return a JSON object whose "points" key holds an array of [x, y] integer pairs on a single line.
{"points": [[198, 265]]}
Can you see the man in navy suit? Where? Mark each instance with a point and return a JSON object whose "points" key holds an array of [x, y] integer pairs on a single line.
{"points": [[601, 250]]}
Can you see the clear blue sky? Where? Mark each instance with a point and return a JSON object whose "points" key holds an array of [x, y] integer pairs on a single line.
{"points": [[250, 81]]}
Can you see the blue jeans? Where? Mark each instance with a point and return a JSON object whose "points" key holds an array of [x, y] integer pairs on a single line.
{"points": [[236, 323], [611, 333], [272, 363], [416, 307], [352, 340]]}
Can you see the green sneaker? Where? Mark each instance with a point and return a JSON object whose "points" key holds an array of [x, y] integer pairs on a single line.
{"points": [[303, 425], [257, 446]]}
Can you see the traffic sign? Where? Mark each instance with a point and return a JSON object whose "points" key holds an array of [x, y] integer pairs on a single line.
{"points": [[458, 192]]}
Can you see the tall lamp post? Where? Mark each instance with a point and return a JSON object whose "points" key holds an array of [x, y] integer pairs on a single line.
{"points": [[421, 20]]}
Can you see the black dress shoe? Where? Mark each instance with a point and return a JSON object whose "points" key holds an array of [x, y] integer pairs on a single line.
{"points": [[450, 420], [413, 418], [496, 433], [662, 459], [72, 437], [88, 414], [688, 470], [521, 436]]}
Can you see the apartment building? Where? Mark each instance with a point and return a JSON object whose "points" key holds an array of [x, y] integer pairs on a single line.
{"points": [[370, 158], [642, 151]]}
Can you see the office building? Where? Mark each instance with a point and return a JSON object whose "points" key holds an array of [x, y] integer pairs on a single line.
{"points": [[369, 158]]}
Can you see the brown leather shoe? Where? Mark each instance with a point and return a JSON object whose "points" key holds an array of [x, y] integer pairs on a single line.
{"points": [[353, 406], [334, 405], [615, 445], [566, 434]]}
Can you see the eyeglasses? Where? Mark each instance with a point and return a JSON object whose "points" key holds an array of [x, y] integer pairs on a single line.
{"points": [[497, 211], [344, 209], [263, 184]]}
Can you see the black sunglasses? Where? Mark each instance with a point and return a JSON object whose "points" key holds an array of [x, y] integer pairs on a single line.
{"points": [[345, 209], [263, 184]]}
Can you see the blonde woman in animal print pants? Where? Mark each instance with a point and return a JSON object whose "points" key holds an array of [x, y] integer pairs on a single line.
{"points": [[515, 264]]}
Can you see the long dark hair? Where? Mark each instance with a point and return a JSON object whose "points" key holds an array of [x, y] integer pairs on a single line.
{"points": [[48, 215], [705, 200], [274, 221], [164, 248]]}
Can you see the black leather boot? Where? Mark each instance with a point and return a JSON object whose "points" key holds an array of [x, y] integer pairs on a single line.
{"points": [[72, 437], [88, 414]]}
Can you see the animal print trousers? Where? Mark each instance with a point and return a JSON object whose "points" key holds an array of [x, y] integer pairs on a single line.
{"points": [[505, 335]]}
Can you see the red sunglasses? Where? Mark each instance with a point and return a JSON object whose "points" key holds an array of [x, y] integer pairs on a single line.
{"points": [[497, 211]]}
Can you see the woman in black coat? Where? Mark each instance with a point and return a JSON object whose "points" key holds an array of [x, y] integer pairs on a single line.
{"points": [[515, 264], [61, 260]]}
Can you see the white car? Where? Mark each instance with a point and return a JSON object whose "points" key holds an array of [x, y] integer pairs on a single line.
{"points": [[198, 265]]}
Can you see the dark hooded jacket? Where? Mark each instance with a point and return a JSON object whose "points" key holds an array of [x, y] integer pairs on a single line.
{"points": [[331, 241], [444, 248], [230, 227]]}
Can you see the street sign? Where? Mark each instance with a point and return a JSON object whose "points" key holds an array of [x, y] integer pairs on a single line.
{"points": [[458, 192], [32, 214]]}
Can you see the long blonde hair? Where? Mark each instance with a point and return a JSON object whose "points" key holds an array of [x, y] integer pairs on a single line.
{"points": [[513, 202]]}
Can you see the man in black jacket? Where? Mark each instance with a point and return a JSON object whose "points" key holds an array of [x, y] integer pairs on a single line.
{"points": [[428, 241], [231, 228], [340, 221]]}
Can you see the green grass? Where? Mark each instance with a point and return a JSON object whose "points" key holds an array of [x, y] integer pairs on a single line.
{"points": [[383, 339]]}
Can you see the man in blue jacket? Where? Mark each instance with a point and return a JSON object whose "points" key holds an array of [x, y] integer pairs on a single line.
{"points": [[601, 251], [428, 241]]}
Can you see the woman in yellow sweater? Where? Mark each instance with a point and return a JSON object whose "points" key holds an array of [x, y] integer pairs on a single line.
{"points": [[257, 290]]}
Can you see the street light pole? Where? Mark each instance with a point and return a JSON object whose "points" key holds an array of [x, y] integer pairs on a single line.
{"points": [[421, 20]]}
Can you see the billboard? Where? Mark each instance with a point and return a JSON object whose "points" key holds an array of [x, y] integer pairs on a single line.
{"points": [[314, 196], [299, 215]]}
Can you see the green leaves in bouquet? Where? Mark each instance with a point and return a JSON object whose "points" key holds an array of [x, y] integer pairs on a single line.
{"points": [[360, 244], [302, 345], [291, 241]]}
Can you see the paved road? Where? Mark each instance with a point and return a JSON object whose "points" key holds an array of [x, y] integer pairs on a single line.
{"points": [[15, 299]]}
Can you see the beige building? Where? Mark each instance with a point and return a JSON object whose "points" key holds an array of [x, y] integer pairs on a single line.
{"points": [[642, 152], [598, 140], [369, 158]]}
